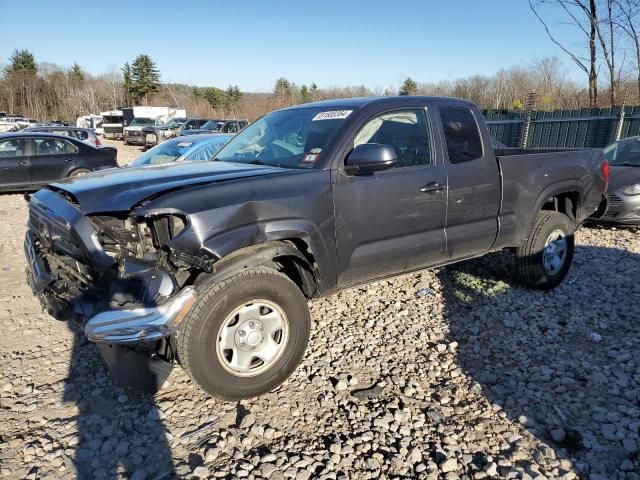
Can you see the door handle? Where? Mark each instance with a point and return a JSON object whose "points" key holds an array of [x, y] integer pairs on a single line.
{"points": [[23, 162], [432, 187], [68, 160]]}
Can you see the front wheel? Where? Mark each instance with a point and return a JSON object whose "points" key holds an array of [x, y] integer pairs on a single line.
{"points": [[544, 259], [245, 335]]}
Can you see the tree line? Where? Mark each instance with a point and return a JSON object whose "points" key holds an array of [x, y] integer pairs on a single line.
{"points": [[609, 57]]}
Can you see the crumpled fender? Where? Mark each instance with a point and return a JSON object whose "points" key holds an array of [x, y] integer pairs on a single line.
{"points": [[261, 254]]}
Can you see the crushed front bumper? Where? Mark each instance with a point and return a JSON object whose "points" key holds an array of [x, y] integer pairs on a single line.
{"points": [[116, 327], [113, 327]]}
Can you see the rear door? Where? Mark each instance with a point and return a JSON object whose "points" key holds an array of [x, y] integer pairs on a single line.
{"points": [[392, 221], [14, 163], [52, 159], [473, 184]]}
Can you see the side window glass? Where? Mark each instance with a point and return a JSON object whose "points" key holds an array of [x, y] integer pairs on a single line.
{"points": [[13, 148], [461, 134], [407, 131], [53, 146], [82, 135]]}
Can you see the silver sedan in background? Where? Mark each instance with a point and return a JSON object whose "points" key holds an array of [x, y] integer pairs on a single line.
{"points": [[623, 198]]}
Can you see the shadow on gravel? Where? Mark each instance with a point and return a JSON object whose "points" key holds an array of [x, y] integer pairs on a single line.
{"points": [[562, 363], [120, 431]]}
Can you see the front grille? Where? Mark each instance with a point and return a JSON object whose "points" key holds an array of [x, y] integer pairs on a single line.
{"points": [[54, 238], [614, 200], [52, 233], [133, 133]]}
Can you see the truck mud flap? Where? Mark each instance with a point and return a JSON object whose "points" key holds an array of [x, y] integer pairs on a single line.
{"points": [[135, 370]]}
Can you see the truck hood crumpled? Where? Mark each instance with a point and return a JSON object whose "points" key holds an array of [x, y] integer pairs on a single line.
{"points": [[119, 189]]}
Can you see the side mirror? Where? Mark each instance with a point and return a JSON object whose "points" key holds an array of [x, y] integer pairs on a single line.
{"points": [[370, 157]]}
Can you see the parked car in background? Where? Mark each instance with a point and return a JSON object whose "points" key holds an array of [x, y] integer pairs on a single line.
{"points": [[6, 126], [180, 149], [222, 126], [19, 122], [193, 124], [211, 264], [158, 134], [86, 135], [57, 123], [29, 160], [133, 135], [623, 198], [161, 114]]}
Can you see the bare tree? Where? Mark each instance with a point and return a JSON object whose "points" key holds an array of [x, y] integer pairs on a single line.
{"points": [[628, 16], [608, 47], [583, 15]]}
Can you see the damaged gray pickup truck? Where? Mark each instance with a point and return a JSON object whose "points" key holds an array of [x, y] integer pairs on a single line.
{"points": [[209, 265]]}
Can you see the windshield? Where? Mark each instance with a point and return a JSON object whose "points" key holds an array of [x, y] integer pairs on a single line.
{"points": [[166, 152], [141, 122], [625, 153], [213, 125], [175, 122], [288, 138]]}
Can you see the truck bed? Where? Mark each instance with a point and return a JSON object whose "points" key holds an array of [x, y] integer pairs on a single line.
{"points": [[528, 172]]}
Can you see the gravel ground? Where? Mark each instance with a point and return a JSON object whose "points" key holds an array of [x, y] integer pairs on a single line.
{"points": [[453, 373]]}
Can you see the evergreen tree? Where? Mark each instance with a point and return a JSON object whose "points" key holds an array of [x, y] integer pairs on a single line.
{"points": [[127, 83], [313, 91], [304, 93], [76, 74], [233, 95], [145, 78], [282, 87], [21, 61], [409, 87], [215, 97]]}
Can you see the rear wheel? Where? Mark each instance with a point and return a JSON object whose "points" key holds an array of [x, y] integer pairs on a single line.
{"points": [[545, 258], [245, 335], [79, 171]]}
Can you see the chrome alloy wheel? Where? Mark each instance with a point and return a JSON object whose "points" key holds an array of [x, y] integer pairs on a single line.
{"points": [[252, 338], [555, 252]]}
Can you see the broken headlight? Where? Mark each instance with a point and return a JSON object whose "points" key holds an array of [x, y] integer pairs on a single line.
{"points": [[157, 229]]}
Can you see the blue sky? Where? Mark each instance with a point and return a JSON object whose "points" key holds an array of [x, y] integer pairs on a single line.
{"points": [[251, 43]]}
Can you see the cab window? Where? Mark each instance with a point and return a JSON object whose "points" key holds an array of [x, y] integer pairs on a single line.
{"points": [[461, 134], [407, 131]]}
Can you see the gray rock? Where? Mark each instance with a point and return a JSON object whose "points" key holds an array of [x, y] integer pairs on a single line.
{"points": [[558, 435], [247, 421], [450, 465]]}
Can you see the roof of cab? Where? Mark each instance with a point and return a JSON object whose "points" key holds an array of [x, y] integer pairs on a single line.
{"points": [[359, 102]]}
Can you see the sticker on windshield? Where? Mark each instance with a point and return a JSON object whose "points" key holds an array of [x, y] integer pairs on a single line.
{"points": [[332, 115], [310, 158], [185, 144]]}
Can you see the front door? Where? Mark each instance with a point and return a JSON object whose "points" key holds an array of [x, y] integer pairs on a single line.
{"points": [[52, 159], [392, 221], [14, 164]]}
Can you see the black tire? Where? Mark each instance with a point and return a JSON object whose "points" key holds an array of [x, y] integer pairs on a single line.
{"points": [[79, 171], [197, 339], [530, 262]]}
